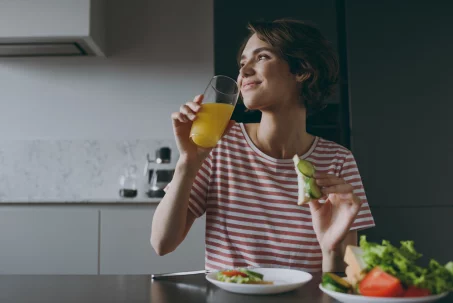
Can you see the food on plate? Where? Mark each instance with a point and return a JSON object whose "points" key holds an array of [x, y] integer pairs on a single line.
{"points": [[308, 189], [241, 276], [356, 266], [333, 282], [378, 283], [383, 270]]}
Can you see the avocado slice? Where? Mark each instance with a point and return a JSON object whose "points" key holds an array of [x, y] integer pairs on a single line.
{"points": [[335, 288], [252, 273], [306, 168], [313, 189], [333, 282], [308, 189]]}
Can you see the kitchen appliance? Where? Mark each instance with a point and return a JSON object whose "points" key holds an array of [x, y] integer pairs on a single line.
{"points": [[53, 28], [159, 172]]}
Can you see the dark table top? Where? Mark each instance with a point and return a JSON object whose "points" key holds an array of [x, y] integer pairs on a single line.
{"points": [[105, 288]]}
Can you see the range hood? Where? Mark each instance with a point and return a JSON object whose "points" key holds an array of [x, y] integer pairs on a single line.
{"points": [[52, 28]]}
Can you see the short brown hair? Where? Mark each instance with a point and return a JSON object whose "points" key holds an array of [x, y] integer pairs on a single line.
{"points": [[305, 50]]}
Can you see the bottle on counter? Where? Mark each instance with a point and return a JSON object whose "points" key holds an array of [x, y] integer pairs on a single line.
{"points": [[128, 182]]}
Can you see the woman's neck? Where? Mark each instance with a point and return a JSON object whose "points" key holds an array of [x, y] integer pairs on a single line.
{"points": [[282, 135]]}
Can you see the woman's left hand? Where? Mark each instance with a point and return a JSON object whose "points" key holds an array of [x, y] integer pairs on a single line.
{"points": [[333, 219]]}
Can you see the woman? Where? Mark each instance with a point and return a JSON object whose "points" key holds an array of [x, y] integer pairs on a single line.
{"points": [[247, 184]]}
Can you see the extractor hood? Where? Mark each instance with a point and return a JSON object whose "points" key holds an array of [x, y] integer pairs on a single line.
{"points": [[52, 28]]}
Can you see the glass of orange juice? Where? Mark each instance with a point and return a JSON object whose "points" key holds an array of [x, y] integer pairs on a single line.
{"points": [[219, 100]]}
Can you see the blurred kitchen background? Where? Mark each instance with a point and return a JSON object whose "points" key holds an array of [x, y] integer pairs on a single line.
{"points": [[74, 125]]}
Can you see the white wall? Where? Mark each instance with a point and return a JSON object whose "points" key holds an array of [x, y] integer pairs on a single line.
{"points": [[160, 55]]}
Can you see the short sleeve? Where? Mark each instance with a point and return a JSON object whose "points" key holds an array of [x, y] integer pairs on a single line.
{"points": [[199, 192], [350, 173], [200, 187]]}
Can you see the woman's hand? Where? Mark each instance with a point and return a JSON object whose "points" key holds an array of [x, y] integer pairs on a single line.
{"points": [[333, 219], [182, 124]]}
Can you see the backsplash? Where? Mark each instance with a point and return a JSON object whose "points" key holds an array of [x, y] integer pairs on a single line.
{"points": [[72, 170]]}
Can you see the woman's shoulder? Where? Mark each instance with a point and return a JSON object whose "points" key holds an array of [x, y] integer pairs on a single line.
{"points": [[235, 131], [328, 146], [233, 136]]}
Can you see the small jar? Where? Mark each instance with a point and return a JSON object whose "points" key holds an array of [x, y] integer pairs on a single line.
{"points": [[128, 182]]}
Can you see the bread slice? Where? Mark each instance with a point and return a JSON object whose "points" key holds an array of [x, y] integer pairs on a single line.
{"points": [[355, 271]]}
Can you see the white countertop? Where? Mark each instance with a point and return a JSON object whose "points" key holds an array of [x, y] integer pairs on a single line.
{"points": [[74, 171], [83, 201]]}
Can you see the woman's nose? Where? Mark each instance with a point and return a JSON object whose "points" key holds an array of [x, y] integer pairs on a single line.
{"points": [[246, 70]]}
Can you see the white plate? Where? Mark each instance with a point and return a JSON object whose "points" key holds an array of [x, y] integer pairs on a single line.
{"points": [[284, 280], [348, 298]]}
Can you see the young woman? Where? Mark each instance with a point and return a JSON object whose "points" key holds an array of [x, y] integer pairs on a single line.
{"points": [[247, 184]]}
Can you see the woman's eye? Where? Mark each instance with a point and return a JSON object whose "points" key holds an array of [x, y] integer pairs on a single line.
{"points": [[262, 57]]}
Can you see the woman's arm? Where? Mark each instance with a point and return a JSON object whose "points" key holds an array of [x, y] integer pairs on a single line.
{"points": [[333, 261], [172, 219]]}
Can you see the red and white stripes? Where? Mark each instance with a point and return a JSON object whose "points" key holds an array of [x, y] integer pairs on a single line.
{"points": [[250, 200]]}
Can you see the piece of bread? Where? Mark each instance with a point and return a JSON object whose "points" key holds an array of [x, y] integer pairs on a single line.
{"points": [[355, 271]]}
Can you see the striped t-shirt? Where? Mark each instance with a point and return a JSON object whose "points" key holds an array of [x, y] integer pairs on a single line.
{"points": [[250, 200]]}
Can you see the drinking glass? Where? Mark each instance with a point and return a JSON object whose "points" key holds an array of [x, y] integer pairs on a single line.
{"points": [[219, 100]]}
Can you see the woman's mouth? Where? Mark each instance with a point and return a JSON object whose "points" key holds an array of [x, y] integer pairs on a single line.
{"points": [[250, 85]]}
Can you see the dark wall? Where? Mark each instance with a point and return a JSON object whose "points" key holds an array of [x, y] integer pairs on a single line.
{"points": [[400, 57], [397, 85], [231, 18], [230, 21]]}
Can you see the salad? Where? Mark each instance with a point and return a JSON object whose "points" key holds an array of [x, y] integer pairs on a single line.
{"points": [[387, 271], [241, 276]]}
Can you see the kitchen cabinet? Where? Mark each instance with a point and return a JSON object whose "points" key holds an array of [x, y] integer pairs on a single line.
{"points": [[125, 244], [400, 81], [48, 241], [90, 239], [31, 28]]}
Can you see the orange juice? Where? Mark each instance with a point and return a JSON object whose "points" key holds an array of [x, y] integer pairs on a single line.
{"points": [[210, 124]]}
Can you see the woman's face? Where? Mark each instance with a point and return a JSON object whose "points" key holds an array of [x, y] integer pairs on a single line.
{"points": [[265, 79]]}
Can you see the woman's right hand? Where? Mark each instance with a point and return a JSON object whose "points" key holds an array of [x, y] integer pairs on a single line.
{"points": [[182, 123]]}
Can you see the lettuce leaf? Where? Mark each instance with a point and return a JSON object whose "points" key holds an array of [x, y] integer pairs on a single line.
{"points": [[402, 263]]}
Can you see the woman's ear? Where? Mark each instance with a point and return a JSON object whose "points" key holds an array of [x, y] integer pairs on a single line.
{"points": [[301, 77]]}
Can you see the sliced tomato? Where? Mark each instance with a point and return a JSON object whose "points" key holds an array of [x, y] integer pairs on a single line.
{"points": [[413, 291], [378, 283], [232, 273]]}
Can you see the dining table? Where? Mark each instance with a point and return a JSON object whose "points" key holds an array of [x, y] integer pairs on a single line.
{"points": [[141, 288]]}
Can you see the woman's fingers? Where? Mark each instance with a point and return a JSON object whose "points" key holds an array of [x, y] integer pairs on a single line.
{"points": [[178, 116], [187, 111], [337, 189], [195, 107], [329, 181], [332, 184], [198, 99], [345, 198], [314, 205]]}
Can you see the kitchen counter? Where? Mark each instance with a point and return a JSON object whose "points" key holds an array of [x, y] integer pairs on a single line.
{"points": [[94, 201], [75, 171], [140, 288]]}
